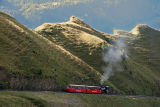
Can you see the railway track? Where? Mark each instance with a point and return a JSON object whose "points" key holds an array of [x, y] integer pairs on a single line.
{"points": [[63, 92]]}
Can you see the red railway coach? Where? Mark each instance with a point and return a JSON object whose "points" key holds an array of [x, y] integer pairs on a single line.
{"points": [[83, 89], [93, 89]]}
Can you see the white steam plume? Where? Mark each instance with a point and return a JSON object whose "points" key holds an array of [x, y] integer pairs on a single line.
{"points": [[113, 56]]}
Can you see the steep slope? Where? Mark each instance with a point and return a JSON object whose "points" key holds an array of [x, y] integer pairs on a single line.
{"points": [[141, 69], [30, 61], [78, 38], [147, 46]]}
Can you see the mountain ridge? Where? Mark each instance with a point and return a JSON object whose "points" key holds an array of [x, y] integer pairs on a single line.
{"points": [[140, 28], [75, 37]]}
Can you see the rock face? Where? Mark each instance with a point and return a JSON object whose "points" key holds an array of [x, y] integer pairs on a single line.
{"points": [[76, 20]]}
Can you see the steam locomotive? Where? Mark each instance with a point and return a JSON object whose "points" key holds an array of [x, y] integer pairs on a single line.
{"points": [[87, 89]]}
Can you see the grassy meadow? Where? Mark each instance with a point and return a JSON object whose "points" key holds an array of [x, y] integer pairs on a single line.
{"points": [[52, 99]]}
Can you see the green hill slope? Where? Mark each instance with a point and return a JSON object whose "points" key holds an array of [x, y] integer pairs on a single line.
{"points": [[137, 77], [71, 52], [141, 69], [29, 61], [147, 46], [78, 38]]}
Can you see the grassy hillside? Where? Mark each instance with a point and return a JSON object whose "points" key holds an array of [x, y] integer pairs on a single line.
{"points": [[71, 52], [140, 71], [78, 38], [147, 47], [28, 61], [51, 99]]}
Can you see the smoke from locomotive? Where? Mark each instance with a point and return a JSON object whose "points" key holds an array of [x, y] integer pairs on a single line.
{"points": [[113, 56]]}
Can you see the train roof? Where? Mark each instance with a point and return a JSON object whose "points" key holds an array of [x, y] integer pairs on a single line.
{"points": [[82, 85], [93, 86], [76, 85]]}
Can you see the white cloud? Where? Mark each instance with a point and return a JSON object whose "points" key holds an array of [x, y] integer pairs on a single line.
{"points": [[113, 2], [31, 7], [6, 10]]}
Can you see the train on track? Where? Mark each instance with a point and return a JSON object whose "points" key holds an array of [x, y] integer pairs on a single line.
{"points": [[87, 89]]}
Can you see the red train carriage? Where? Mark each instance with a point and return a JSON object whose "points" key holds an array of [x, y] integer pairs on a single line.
{"points": [[76, 88], [93, 89], [83, 89]]}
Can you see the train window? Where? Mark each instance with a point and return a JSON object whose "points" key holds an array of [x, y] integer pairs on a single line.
{"points": [[68, 86], [90, 88], [93, 88], [73, 87], [76, 87], [80, 87]]}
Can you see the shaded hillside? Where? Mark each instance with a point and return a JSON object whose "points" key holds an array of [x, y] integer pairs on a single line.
{"points": [[141, 69], [78, 38], [30, 61], [147, 46]]}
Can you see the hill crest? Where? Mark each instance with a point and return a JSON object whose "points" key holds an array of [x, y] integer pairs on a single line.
{"points": [[141, 28]]}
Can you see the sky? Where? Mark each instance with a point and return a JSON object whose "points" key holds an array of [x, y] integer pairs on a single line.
{"points": [[103, 15]]}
